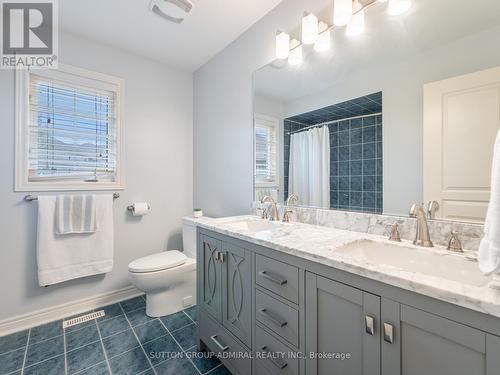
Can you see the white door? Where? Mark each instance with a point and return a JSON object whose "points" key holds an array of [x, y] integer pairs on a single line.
{"points": [[461, 119]]}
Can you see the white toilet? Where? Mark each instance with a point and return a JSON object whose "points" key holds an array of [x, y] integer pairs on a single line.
{"points": [[168, 278]]}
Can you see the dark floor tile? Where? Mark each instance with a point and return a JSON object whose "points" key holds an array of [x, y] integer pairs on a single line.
{"points": [[150, 331], [204, 361], [14, 341], [176, 366], [137, 317], [120, 343], [46, 331], [99, 369], [133, 304], [176, 321], [81, 337], [110, 311], [11, 361], [221, 370], [161, 349], [132, 362], [111, 326], [85, 357], [53, 366], [186, 336], [43, 350], [192, 312]]}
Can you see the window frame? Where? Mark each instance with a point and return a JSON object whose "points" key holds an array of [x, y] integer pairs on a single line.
{"points": [[276, 124], [80, 77]]}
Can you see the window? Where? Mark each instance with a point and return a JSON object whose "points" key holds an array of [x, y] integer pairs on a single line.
{"points": [[68, 130], [266, 152]]}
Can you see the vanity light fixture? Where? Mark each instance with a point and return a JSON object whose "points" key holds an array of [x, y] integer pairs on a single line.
{"points": [[295, 57], [309, 28], [323, 42], [342, 12], [282, 45], [345, 12], [397, 7], [356, 25]]}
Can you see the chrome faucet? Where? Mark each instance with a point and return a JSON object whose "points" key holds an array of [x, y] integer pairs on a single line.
{"points": [[293, 198], [274, 209], [422, 236]]}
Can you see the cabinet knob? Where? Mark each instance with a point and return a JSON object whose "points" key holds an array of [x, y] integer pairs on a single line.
{"points": [[370, 325], [388, 333]]}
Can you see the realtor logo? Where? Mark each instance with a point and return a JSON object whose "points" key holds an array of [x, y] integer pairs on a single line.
{"points": [[29, 34]]}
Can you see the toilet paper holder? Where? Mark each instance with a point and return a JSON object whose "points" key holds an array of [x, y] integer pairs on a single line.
{"points": [[130, 207]]}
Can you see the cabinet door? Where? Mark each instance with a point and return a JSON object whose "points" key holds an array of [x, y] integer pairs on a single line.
{"points": [[210, 276], [423, 343], [236, 290], [338, 321]]}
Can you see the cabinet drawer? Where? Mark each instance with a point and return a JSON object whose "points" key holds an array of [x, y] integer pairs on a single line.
{"points": [[275, 356], [277, 316], [233, 354], [278, 277]]}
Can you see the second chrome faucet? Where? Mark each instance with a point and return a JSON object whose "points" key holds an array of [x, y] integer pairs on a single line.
{"points": [[274, 215], [422, 236]]}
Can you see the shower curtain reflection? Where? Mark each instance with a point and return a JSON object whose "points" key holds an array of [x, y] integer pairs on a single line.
{"points": [[309, 170]]}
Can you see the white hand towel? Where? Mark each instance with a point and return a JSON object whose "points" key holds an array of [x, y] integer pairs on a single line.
{"points": [[62, 258], [75, 214], [489, 249]]}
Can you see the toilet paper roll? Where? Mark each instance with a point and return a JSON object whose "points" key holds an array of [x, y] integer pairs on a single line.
{"points": [[140, 208]]}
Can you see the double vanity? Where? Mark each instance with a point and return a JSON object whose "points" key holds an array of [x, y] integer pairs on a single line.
{"points": [[294, 298]]}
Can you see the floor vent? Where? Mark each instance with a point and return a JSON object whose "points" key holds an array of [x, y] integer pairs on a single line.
{"points": [[82, 319]]}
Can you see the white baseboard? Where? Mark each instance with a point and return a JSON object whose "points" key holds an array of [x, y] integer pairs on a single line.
{"points": [[35, 318]]}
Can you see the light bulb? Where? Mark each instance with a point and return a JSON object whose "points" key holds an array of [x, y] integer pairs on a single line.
{"points": [[323, 42], [397, 7], [342, 12], [295, 57], [282, 45], [309, 28], [356, 25]]}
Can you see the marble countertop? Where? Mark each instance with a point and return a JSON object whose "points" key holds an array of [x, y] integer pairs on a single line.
{"points": [[322, 244]]}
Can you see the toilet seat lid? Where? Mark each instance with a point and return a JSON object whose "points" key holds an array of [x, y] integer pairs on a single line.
{"points": [[158, 261]]}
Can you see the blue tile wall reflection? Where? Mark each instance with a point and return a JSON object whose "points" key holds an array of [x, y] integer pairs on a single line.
{"points": [[356, 152]]}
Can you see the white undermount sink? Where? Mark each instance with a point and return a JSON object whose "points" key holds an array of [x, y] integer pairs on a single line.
{"points": [[414, 259], [253, 225]]}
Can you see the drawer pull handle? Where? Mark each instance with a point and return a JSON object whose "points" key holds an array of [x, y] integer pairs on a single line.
{"points": [[272, 318], [274, 279], [275, 361], [370, 325], [217, 342], [388, 333]]}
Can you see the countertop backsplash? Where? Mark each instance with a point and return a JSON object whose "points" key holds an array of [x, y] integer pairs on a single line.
{"points": [[440, 230]]}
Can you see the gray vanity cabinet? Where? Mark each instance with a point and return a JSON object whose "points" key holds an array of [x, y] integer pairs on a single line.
{"points": [[210, 275], [236, 291], [253, 301], [415, 342], [341, 320]]}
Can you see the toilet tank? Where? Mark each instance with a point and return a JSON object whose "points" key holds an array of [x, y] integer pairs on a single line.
{"points": [[189, 236]]}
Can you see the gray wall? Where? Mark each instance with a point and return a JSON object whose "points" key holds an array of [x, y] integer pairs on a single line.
{"points": [[158, 168], [223, 109]]}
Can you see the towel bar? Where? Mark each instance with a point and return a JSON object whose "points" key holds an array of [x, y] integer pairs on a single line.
{"points": [[31, 198]]}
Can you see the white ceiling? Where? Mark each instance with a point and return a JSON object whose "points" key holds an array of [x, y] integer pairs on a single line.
{"points": [[386, 41], [129, 25]]}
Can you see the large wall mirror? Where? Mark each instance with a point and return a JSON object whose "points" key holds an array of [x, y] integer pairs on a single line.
{"points": [[406, 112]]}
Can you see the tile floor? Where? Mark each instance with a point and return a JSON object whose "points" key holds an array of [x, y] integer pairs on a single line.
{"points": [[124, 341]]}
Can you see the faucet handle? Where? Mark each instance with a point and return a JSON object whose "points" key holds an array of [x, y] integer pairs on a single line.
{"points": [[454, 244], [393, 232]]}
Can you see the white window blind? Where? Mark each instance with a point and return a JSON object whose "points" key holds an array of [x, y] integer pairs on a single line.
{"points": [[266, 152], [72, 132]]}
